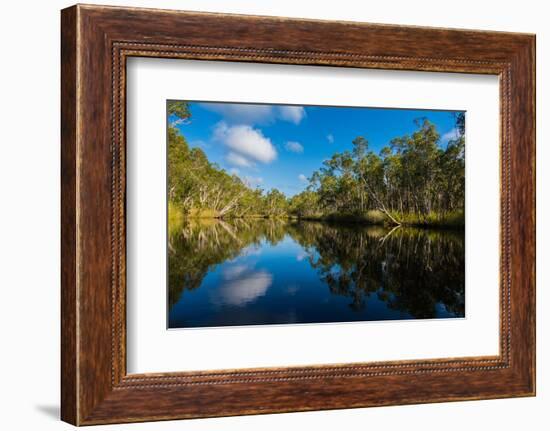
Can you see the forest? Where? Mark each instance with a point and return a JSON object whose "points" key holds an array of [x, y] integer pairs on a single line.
{"points": [[412, 181]]}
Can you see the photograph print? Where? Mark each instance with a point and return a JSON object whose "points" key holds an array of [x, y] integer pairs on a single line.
{"points": [[285, 214]]}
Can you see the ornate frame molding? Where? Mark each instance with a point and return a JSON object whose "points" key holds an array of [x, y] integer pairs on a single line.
{"points": [[96, 41]]}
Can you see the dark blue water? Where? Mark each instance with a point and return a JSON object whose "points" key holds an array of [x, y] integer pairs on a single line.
{"points": [[277, 272]]}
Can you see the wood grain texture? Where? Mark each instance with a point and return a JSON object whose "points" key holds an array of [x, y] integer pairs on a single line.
{"points": [[69, 397], [96, 41]]}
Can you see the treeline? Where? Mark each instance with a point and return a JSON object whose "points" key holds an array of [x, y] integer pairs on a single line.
{"points": [[411, 181], [197, 187]]}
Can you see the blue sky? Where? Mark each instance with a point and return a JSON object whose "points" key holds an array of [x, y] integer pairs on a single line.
{"points": [[279, 146]]}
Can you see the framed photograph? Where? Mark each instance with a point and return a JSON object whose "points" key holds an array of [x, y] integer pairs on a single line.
{"points": [[265, 215], [329, 227]]}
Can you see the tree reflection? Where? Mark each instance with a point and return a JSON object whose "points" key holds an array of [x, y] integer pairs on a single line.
{"points": [[415, 271], [198, 245], [411, 270]]}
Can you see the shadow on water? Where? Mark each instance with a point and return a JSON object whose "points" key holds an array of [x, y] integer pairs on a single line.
{"points": [[369, 272]]}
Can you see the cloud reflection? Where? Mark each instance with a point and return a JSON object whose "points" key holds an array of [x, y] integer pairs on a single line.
{"points": [[252, 250], [301, 256], [242, 286], [234, 271]]}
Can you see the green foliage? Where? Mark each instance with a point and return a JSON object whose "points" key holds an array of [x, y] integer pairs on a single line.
{"points": [[304, 204], [369, 217], [199, 188], [411, 181], [175, 219], [275, 203], [433, 219], [179, 109]]}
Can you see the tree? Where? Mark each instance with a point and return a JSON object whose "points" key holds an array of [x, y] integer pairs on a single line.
{"points": [[198, 187], [414, 179], [178, 109], [304, 204], [411, 178], [276, 203]]}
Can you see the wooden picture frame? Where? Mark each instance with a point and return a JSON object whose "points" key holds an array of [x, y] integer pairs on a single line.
{"points": [[95, 43]]}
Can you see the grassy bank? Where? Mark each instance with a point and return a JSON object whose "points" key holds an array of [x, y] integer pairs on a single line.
{"points": [[370, 217], [451, 220]]}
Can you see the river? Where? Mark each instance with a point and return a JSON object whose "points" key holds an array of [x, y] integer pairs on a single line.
{"points": [[261, 271]]}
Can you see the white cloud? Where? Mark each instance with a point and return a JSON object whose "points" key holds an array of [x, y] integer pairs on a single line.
{"points": [[330, 138], [451, 134], [293, 114], [246, 145], [302, 178], [294, 147], [243, 113], [253, 181], [238, 160], [248, 180]]}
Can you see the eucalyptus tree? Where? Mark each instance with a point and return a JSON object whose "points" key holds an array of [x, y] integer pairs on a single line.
{"points": [[415, 179]]}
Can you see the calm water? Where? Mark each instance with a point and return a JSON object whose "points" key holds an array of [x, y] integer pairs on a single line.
{"points": [[253, 272]]}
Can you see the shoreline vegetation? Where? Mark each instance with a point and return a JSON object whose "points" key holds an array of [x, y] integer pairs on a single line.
{"points": [[452, 220], [414, 181]]}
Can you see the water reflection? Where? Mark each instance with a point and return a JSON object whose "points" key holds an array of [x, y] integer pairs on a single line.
{"points": [[276, 271], [241, 286]]}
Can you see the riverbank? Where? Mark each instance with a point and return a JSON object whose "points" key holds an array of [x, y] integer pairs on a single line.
{"points": [[452, 220]]}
